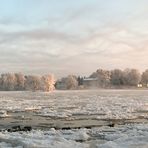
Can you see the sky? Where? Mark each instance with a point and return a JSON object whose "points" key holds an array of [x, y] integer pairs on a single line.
{"points": [[72, 36]]}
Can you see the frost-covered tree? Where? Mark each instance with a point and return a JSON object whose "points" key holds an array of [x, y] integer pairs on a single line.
{"points": [[128, 77], [47, 82], [131, 77], [144, 77], [17, 81], [71, 82], [8, 81], [20, 81], [33, 83], [117, 77], [103, 77]]}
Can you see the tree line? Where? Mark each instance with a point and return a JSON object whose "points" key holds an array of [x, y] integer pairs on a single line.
{"points": [[101, 78], [20, 82], [106, 79]]}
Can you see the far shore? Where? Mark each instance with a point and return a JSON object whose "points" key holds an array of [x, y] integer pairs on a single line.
{"points": [[84, 89], [112, 88]]}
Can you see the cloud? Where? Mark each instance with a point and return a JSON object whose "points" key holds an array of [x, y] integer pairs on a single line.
{"points": [[78, 42]]}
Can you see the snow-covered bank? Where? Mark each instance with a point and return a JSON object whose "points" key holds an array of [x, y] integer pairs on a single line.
{"points": [[127, 136]]}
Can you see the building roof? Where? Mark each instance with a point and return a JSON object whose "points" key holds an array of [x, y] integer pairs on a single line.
{"points": [[90, 79]]}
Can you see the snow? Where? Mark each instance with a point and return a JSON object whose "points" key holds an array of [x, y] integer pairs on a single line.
{"points": [[129, 136], [3, 114], [38, 139]]}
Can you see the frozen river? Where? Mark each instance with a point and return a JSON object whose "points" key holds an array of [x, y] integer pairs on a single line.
{"points": [[75, 119]]}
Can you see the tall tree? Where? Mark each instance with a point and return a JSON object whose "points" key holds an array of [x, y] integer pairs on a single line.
{"points": [[32, 83], [117, 77], [47, 82], [8, 81], [131, 77], [103, 77], [20, 81], [71, 82], [144, 77]]}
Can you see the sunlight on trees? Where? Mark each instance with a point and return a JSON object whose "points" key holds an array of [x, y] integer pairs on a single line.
{"points": [[18, 81]]}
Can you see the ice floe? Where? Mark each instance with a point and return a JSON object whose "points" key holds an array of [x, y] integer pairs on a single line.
{"points": [[127, 136], [104, 104]]}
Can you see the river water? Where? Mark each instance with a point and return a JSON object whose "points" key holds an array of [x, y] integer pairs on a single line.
{"points": [[79, 113]]}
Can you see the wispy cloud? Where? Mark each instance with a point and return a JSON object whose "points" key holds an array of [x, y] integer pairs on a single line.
{"points": [[79, 40]]}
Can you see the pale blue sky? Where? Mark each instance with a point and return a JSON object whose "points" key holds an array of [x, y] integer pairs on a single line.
{"points": [[72, 36]]}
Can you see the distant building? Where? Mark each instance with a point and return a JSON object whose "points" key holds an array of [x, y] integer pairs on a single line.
{"points": [[140, 85], [90, 82]]}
